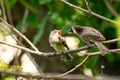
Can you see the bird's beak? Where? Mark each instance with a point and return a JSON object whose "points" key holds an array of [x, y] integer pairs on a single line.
{"points": [[59, 33]]}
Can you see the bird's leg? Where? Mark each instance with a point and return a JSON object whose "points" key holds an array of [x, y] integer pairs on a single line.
{"points": [[87, 42], [55, 52], [62, 57], [66, 57]]}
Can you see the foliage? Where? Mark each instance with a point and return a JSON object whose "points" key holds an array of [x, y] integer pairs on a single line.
{"points": [[6, 67]]}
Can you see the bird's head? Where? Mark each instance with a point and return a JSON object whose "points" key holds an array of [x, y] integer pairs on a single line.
{"points": [[75, 29], [55, 35]]}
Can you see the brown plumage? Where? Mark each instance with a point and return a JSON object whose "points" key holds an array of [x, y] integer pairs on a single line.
{"points": [[88, 34]]}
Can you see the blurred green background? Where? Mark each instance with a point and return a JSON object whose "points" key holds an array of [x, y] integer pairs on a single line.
{"points": [[36, 18]]}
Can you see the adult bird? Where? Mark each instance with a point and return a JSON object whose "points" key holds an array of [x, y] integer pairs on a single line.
{"points": [[88, 35]]}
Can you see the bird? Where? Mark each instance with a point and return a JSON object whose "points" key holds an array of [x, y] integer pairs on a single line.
{"points": [[88, 35], [58, 42]]}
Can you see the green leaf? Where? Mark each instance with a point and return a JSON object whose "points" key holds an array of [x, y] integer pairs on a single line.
{"points": [[110, 57], [92, 61], [117, 26], [42, 2], [67, 26], [32, 20], [56, 19]]}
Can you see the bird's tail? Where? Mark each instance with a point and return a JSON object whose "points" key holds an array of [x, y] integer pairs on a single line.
{"points": [[102, 48]]}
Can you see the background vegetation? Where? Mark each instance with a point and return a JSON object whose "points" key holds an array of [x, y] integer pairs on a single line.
{"points": [[36, 18]]}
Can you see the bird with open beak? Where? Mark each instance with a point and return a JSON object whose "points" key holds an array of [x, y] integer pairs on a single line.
{"points": [[59, 44], [88, 35]]}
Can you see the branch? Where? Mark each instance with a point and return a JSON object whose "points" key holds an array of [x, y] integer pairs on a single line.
{"points": [[23, 36], [115, 0], [67, 77], [26, 12], [86, 47], [97, 53], [10, 18], [50, 54], [77, 66], [90, 12], [22, 48], [87, 2], [110, 7], [49, 76], [3, 10]]}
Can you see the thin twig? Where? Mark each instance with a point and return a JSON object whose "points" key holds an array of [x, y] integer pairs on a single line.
{"points": [[87, 2], [77, 66], [111, 41], [87, 11], [111, 51], [9, 12], [115, 0], [4, 27], [25, 16], [23, 36], [111, 9], [3, 10], [22, 48]]}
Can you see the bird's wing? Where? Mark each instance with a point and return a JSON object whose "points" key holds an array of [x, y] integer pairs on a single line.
{"points": [[93, 34], [62, 41]]}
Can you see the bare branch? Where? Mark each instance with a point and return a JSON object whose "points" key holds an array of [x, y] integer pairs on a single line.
{"points": [[111, 9], [23, 36], [49, 76], [10, 18], [87, 11], [3, 10], [77, 66], [67, 77], [64, 52], [26, 12], [87, 2], [112, 40], [97, 53], [22, 48], [115, 0]]}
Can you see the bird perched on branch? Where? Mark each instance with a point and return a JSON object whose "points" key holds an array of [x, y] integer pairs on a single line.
{"points": [[59, 44], [88, 34]]}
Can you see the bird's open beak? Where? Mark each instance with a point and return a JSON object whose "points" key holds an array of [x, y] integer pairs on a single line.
{"points": [[59, 31]]}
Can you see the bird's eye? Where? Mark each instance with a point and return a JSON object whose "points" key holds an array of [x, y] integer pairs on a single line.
{"points": [[55, 31]]}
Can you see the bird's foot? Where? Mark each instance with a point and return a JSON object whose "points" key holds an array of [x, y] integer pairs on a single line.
{"points": [[66, 57]]}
